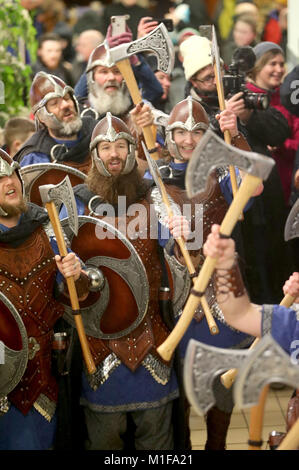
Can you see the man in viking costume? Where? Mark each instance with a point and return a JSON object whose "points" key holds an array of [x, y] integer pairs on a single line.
{"points": [[62, 136], [132, 381], [186, 125], [28, 274]]}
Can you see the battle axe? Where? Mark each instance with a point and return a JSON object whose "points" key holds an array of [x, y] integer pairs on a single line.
{"points": [[228, 378], [157, 42], [291, 231], [155, 172], [267, 363], [210, 153], [52, 195]]}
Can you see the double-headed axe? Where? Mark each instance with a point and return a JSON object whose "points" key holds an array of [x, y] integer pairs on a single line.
{"points": [[266, 363], [155, 172], [291, 231], [63, 193], [157, 42], [211, 152]]}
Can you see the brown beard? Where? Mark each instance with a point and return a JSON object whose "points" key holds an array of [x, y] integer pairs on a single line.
{"points": [[13, 211], [132, 186]]}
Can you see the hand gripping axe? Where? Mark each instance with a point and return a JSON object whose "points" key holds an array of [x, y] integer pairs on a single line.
{"points": [[291, 231], [157, 42], [62, 193], [210, 153], [155, 172]]}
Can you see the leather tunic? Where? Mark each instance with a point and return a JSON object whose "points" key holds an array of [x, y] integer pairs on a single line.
{"points": [[27, 277], [133, 348]]}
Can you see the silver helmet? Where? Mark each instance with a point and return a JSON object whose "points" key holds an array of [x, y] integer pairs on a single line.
{"points": [[110, 129], [188, 115]]}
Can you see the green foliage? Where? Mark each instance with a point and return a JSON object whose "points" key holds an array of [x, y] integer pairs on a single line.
{"points": [[16, 31]]}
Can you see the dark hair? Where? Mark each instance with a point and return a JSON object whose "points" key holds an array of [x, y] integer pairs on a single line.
{"points": [[48, 37]]}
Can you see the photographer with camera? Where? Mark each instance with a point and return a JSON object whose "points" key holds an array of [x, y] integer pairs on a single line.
{"points": [[253, 80], [264, 78]]}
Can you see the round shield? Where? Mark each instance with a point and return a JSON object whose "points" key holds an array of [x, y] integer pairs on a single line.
{"points": [[40, 174], [13, 346], [120, 306]]}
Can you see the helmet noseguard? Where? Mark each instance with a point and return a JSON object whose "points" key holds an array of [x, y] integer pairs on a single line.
{"points": [[45, 87], [110, 129], [99, 56], [7, 167], [188, 115]]}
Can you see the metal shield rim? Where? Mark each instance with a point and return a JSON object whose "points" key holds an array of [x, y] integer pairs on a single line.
{"points": [[82, 219]]}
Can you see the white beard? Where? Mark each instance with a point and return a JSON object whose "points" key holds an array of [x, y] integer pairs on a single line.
{"points": [[67, 129], [116, 104]]}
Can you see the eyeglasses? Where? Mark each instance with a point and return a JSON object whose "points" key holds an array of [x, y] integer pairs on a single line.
{"points": [[208, 79]]}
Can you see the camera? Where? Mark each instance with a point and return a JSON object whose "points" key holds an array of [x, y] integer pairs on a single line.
{"points": [[234, 80]]}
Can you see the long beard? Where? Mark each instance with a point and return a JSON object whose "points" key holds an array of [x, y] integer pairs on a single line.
{"points": [[132, 186], [117, 104], [13, 211]]}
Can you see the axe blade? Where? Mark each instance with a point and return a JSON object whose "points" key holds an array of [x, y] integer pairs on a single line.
{"points": [[62, 193], [202, 364], [205, 30], [215, 55], [266, 363], [157, 42], [212, 152], [291, 229]]}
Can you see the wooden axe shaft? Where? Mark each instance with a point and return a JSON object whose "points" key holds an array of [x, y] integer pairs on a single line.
{"points": [[228, 378], [256, 422], [247, 188], [125, 68], [53, 215], [208, 314]]}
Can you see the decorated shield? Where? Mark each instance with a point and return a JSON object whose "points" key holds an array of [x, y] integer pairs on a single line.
{"points": [[121, 304], [13, 347], [40, 174]]}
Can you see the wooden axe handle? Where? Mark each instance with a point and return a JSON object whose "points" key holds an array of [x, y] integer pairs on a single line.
{"points": [[208, 314], [247, 188], [228, 378], [256, 422], [53, 215], [125, 68]]}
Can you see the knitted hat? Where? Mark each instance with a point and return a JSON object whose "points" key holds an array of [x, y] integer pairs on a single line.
{"points": [[265, 46], [196, 53]]}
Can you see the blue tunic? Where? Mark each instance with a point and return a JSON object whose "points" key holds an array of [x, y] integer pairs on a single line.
{"points": [[125, 390], [284, 325]]}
